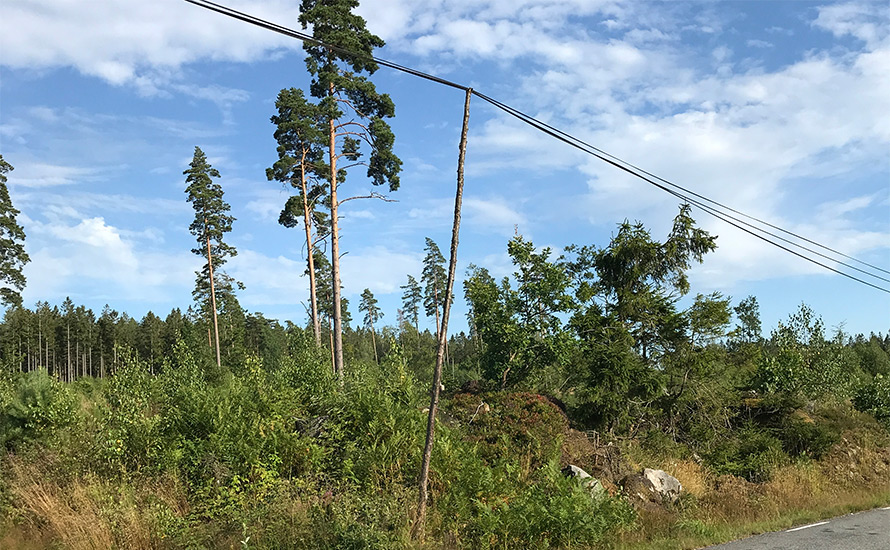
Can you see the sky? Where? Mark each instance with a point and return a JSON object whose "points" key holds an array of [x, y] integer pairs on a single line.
{"points": [[779, 109]]}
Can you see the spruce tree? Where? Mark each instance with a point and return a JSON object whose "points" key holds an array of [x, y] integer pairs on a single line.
{"points": [[211, 222], [352, 114], [12, 246]]}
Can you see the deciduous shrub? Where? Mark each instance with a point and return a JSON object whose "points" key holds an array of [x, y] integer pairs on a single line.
{"points": [[874, 398]]}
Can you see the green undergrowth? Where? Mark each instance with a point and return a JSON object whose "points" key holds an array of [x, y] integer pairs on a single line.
{"points": [[288, 457]]}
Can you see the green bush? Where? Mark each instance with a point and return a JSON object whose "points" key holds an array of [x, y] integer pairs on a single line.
{"points": [[753, 454], [807, 437], [874, 398], [552, 512], [517, 426], [33, 407]]}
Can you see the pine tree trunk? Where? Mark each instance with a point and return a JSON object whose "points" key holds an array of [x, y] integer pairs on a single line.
{"points": [[436, 306], [307, 221], [331, 335], [335, 253], [420, 519], [374, 343], [213, 297]]}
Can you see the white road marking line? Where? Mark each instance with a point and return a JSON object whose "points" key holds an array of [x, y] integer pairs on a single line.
{"points": [[887, 508], [807, 526]]}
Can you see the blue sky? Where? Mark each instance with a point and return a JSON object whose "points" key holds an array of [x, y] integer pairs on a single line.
{"points": [[778, 109]]}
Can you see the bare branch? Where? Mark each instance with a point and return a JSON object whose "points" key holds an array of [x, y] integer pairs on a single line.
{"points": [[373, 195]]}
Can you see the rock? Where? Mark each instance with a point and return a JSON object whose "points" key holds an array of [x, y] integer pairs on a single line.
{"points": [[636, 489], [662, 484], [651, 487], [591, 483]]}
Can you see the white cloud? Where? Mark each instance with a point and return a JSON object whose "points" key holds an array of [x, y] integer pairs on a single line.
{"points": [[35, 175], [867, 21], [94, 259], [834, 209], [267, 203], [82, 204], [755, 43], [378, 268], [497, 214], [139, 43], [279, 281]]}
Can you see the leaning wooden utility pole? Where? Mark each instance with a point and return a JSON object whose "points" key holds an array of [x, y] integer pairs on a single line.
{"points": [[418, 528]]}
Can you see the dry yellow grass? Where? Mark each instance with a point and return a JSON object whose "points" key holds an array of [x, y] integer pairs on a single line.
{"points": [[85, 513], [69, 515], [795, 486], [695, 479]]}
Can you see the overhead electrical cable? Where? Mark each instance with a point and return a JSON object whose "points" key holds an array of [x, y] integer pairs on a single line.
{"points": [[568, 139], [280, 29], [657, 181], [518, 114], [653, 180]]}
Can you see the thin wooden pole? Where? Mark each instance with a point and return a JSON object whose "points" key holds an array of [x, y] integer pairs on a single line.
{"points": [[420, 520]]}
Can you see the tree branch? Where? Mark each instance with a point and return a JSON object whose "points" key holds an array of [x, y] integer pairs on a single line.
{"points": [[373, 195]]}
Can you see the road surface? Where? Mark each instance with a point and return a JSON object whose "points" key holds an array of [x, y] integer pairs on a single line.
{"points": [[862, 531]]}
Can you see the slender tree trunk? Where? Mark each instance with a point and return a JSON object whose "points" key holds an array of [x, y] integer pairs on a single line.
{"points": [[307, 221], [335, 252], [374, 343], [331, 335], [213, 297], [436, 306], [420, 520]]}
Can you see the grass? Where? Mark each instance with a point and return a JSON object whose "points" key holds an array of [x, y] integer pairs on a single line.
{"points": [[792, 498]]}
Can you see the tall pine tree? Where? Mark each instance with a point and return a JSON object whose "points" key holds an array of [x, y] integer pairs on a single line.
{"points": [[411, 299], [300, 162], [211, 222], [12, 246], [433, 277], [352, 114]]}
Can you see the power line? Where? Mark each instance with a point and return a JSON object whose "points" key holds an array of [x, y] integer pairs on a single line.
{"points": [[274, 27], [657, 181], [630, 169], [518, 114]]}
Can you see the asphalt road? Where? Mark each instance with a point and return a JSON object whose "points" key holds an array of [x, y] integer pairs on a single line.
{"points": [[862, 531]]}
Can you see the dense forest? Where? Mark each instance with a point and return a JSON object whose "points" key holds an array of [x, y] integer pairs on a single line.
{"points": [[215, 427]]}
